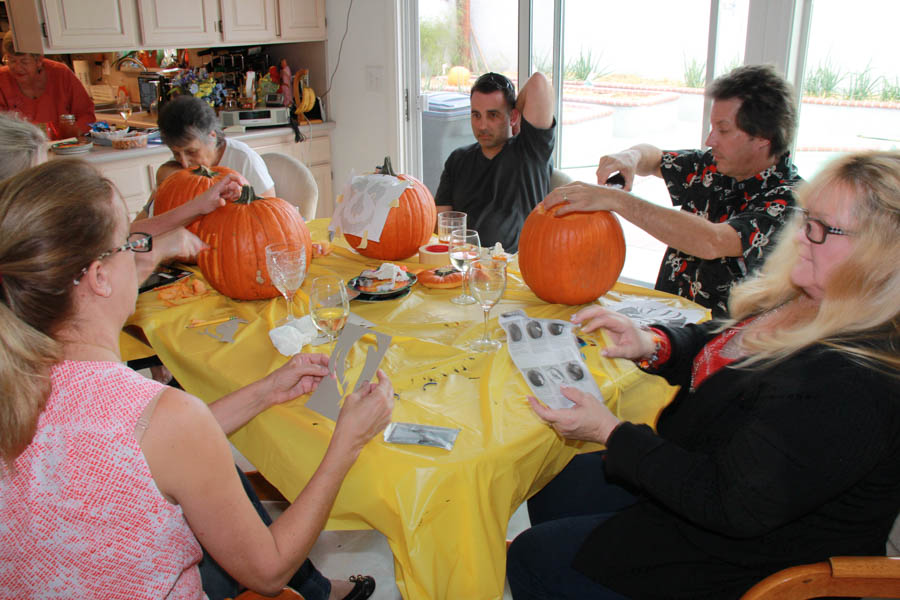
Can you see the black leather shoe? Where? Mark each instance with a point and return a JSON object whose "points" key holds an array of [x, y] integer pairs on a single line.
{"points": [[363, 587]]}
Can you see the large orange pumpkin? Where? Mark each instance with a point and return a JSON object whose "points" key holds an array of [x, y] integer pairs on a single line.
{"points": [[407, 227], [572, 259], [184, 185], [237, 235]]}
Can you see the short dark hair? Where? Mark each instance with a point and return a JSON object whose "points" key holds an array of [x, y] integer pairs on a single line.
{"points": [[495, 82], [767, 103], [186, 118]]}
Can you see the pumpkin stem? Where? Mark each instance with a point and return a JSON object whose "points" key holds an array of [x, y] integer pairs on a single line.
{"points": [[204, 171], [386, 168], [247, 195]]}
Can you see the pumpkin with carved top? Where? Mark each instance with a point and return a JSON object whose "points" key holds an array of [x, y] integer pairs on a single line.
{"points": [[237, 235], [408, 226], [184, 185], [572, 259]]}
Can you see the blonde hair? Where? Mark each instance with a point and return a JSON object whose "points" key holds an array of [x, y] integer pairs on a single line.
{"points": [[859, 313], [55, 219], [20, 144]]}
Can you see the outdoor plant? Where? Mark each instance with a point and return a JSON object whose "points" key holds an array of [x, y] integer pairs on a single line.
{"points": [[584, 66], [861, 86], [823, 80], [731, 66], [694, 73], [435, 41], [890, 91], [544, 63]]}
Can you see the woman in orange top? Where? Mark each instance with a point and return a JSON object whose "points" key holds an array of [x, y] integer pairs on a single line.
{"points": [[41, 90]]}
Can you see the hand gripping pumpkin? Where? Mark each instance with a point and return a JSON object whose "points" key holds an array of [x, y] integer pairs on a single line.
{"points": [[184, 185], [572, 259], [237, 235], [408, 225], [441, 277]]}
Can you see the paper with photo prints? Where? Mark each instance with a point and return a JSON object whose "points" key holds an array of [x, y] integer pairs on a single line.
{"points": [[547, 354]]}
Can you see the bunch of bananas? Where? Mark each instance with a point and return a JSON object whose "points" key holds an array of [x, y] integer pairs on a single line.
{"points": [[304, 96]]}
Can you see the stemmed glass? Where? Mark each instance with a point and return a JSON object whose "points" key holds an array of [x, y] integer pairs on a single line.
{"points": [[287, 268], [487, 280], [464, 248], [329, 305], [123, 107]]}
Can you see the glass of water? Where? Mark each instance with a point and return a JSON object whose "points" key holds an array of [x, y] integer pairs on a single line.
{"points": [[487, 281], [447, 222]]}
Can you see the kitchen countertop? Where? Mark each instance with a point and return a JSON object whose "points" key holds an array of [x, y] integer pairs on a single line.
{"points": [[103, 154]]}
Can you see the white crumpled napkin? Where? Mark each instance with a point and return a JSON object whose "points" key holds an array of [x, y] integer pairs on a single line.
{"points": [[290, 338]]}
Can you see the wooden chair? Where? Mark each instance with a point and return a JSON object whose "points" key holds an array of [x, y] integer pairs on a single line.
{"points": [[294, 182], [840, 576]]}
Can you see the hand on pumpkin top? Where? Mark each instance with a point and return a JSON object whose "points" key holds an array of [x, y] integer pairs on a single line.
{"points": [[583, 197], [628, 340], [226, 189]]}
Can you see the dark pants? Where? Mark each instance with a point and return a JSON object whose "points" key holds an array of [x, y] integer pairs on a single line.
{"points": [[219, 585], [563, 514]]}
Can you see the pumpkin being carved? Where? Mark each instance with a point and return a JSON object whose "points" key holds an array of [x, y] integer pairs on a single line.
{"points": [[184, 185], [571, 259], [237, 235], [408, 225]]}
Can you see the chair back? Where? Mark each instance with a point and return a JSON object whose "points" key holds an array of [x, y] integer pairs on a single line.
{"points": [[294, 182], [558, 178]]}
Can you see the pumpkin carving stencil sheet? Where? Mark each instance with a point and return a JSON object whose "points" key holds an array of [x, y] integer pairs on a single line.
{"points": [[363, 208], [547, 361]]}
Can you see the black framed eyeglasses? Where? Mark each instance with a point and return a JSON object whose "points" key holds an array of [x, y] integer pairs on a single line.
{"points": [[137, 242], [816, 230]]}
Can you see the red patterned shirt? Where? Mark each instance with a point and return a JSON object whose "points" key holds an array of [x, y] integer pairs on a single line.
{"points": [[81, 516]]}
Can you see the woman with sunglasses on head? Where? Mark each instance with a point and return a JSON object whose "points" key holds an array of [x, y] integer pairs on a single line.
{"points": [[782, 446], [109, 480], [42, 90]]}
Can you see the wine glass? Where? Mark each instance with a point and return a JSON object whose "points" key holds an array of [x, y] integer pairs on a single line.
{"points": [[329, 305], [123, 107], [286, 264], [487, 280], [464, 248]]}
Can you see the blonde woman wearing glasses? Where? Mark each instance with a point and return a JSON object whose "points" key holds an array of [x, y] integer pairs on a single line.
{"points": [[782, 446], [40, 90]]}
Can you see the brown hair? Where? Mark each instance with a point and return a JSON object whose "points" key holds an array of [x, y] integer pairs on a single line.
{"points": [[767, 104], [55, 219]]}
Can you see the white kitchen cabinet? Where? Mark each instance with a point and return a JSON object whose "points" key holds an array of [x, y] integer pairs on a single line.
{"points": [[248, 21], [60, 26], [301, 20], [179, 23]]}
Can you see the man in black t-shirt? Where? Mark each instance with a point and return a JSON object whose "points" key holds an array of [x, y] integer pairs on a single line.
{"points": [[501, 178]]}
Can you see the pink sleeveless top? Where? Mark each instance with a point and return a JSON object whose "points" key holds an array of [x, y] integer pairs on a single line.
{"points": [[81, 517]]}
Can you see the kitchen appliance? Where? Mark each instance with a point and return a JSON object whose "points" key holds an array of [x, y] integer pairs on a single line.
{"points": [[258, 117], [153, 88]]}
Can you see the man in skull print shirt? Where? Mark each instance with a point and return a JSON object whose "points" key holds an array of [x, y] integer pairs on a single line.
{"points": [[733, 196]]}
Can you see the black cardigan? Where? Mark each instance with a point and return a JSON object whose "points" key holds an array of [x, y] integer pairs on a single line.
{"points": [[754, 471]]}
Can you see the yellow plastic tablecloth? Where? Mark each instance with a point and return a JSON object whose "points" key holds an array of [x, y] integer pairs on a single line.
{"points": [[444, 513]]}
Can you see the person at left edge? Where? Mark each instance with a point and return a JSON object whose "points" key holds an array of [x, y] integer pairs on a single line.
{"points": [[498, 180], [40, 90]]}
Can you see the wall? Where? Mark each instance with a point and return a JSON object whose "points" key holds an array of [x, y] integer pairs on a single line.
{"points": [[365, 100]]}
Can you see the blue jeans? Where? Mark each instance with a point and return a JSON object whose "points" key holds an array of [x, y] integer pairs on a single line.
{"points": [[219, 585], [563, 514]]}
